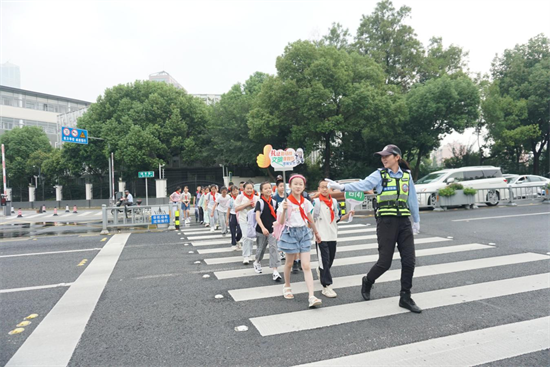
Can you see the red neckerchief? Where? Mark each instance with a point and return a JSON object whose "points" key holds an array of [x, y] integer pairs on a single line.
{"points": [[213, 197], [234, 197], [330, 204], [268, 202], [295, 202], [251, 197]]}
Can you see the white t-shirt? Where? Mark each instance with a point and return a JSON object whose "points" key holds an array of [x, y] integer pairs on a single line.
{"points": [[186, 197], [327, 230], [223, 203], [295, 219], [241, 200], [232, 205], [210, 200]]}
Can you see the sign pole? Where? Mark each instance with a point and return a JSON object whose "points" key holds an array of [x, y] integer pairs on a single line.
{"points": [[4, 171], [146, 192]]}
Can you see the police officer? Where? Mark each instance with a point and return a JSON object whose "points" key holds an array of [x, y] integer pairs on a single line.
{"points": [[396, 202]]}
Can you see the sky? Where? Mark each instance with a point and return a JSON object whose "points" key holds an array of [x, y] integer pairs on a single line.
{"points": [[79, 48]]}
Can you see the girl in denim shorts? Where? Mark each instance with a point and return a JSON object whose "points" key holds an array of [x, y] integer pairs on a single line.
{"points": [[295, 213]]}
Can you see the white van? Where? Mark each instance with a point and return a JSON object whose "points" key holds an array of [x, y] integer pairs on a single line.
{"points": [[476, 177]]}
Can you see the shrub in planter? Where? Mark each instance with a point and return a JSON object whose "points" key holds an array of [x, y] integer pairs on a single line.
{"points": [[456, 186], [447, 192], [469, 191]]}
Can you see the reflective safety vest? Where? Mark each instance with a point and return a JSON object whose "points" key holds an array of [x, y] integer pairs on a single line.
{"points": [[393, 200]]}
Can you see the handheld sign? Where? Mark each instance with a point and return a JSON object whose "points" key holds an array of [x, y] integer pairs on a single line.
{"points": [[353, 199], [279, 159]]}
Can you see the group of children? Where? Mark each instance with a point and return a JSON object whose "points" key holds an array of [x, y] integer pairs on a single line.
{"points": [[257, 218]]}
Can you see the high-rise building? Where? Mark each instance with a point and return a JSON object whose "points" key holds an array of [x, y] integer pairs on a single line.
{"points": [[26, 108], [10, 75], [163, 76], [209, 98]]}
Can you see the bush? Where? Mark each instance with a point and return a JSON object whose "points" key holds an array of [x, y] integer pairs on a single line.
{"points": [[456, 186], [469, 191], [447, 192]]}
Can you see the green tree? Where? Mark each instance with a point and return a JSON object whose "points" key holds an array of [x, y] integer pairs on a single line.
{"points": [[337, 36], [144, 124], [319, 94], [516, 109], [439, 107], [385, 37], [22, 144], [228, 128]]}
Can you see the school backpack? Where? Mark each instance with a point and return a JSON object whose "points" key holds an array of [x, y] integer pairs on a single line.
{"points": [[251, 219]]}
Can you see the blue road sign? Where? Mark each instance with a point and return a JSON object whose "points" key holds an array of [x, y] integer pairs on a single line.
{"points": [[160, 219], [74, 135]]}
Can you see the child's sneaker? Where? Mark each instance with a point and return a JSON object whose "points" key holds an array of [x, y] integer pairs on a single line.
{"points": [[328, 292], [239, 245], [257, 267], [282, 256], [276, 276], [234, 248], [212, 229], [246, 260]]}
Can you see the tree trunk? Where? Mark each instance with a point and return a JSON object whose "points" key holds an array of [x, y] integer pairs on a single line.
{"points": [[417, 165], [326, 163]]}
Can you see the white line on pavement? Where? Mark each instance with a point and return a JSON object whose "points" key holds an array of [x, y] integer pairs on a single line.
{"points": [[472, 348], [227, 240], [38, 287], [219, 235], [37, 215], [501, 216], [247, 294], [359, 311], [84, 214], [368, 246], [51, 252], [53, 341], [247, 272]]}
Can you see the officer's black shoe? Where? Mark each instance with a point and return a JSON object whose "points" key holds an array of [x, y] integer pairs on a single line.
{"points": [[406, 301], [365, 288]]}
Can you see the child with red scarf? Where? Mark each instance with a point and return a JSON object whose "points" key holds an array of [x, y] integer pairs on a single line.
{"points": [[295, 214], [265, 217], [326, 216], [245, 202]]}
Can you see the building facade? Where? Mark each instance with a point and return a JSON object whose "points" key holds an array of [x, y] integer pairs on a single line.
{"points": [[164, 77], [19, 107], [209, 99]]}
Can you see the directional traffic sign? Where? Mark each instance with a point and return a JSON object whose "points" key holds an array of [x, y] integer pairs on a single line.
{"points": [[146, 174], [74, 135]]}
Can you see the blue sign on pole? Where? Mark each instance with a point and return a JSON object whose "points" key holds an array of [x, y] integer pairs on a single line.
{"points": [[160, 219], [74, 135]]}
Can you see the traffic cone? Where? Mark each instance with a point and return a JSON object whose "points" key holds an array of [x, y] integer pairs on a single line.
{"points": [[74, 210], [43, 208], [19, 214], [12, 210], [55, 211], [67, 209]]}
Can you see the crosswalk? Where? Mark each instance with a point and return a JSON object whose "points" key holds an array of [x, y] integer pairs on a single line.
{"points": [[49, 216], [494, 273]]}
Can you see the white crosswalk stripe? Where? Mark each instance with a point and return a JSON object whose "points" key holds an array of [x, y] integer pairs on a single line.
{"points": [[485, 345], [337, 315], [239, 273], [466, 349]]}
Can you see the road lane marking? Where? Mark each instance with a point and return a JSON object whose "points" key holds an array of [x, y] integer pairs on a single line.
{"points": [[227, 240], [38, 287], [348, 248], [52, 342], [247, 272], [104, 239], [51, 252], [220, 236], [501, 216], [359, 311], [84, 261], [471, 348], [247, 294]]}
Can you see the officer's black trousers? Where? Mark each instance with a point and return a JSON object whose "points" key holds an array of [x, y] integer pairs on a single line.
{"points": [[391, 230]]}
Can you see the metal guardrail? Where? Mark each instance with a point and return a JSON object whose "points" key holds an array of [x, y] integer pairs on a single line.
{"points": [[134, 215], [509, 196]]}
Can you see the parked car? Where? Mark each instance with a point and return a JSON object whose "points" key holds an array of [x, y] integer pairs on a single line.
{"points": [[477, 177], [526, 186]]}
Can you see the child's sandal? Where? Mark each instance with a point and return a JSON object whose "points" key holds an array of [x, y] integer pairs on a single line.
{"points": [[287, 293]]}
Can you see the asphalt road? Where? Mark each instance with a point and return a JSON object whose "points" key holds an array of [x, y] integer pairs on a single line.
{"points": [[482, 278]]}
